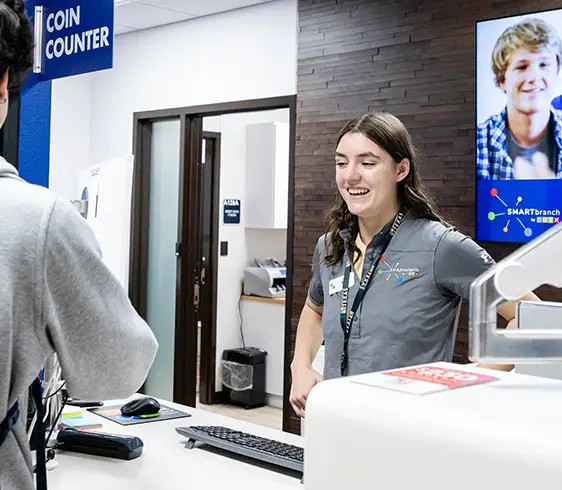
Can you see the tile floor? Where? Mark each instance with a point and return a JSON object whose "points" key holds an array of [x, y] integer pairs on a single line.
{"points": [[267, 416]]}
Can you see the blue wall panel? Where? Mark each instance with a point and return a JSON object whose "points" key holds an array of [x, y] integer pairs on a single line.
{"points": [[35, 132], [35, 125]]}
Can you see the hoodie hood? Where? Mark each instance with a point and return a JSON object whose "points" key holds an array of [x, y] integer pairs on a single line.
{"points": [[8, 170]]}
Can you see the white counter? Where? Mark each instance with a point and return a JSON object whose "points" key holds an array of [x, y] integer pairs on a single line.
{"points": [[499, 435], [166, 464]]}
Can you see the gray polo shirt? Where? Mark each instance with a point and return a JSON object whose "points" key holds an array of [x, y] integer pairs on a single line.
{"points": [[409, 314]]}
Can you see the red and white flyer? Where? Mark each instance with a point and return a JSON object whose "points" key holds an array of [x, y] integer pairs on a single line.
{"points": [[421, 380]]}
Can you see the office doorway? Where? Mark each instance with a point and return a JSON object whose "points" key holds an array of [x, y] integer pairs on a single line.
{"points": [[193, 244], [251, 263]]}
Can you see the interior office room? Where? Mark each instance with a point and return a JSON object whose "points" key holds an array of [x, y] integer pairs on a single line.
{"points": [[92, 109], [203, 160]]}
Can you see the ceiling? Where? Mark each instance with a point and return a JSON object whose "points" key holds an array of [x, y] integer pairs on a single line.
{"points": [[133, 15]]}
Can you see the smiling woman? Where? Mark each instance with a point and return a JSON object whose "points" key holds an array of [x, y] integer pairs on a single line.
{"points": [[389, 274], [376, 170]]}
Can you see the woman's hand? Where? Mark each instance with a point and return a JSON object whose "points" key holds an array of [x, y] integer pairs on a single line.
{"points": [[304, 379]]}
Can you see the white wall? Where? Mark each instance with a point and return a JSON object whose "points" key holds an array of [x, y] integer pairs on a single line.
{"points": [[243, 54], [264, 327], [70, 134], [248, 53], [243, 244], [265, 244]]}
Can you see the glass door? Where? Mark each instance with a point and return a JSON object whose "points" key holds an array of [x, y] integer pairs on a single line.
{"points": [[162, 259]]}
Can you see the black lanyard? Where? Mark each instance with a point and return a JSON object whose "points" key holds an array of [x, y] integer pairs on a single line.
{"points": [[346, 318], [8, 423], [39, 436]]}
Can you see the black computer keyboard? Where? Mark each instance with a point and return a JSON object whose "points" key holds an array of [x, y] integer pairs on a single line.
{"points": [[260, 448]]}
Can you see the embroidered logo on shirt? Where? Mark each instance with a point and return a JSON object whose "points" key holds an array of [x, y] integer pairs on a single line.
{"points": [[485, 256], [397, 273]]}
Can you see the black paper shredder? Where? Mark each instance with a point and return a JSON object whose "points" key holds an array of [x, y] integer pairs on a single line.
{"points": [[244, 376]]}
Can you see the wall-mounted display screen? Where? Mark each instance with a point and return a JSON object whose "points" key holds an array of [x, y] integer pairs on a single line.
{"points": [[519, 126]]}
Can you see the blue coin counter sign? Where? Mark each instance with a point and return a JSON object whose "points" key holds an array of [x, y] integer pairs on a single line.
{"points": [[75, 37], [231, 211]]}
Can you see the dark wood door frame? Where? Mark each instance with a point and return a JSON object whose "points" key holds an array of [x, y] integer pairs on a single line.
{"points": [[207, 394], [185, 348], [188, 268]]}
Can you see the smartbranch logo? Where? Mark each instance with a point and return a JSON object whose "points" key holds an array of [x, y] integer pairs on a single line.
{"points": [[522, 215], [396, 272]]}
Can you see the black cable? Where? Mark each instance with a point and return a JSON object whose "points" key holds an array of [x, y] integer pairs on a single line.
{"points": [[63, 404], [56, 392], [241, 323], [39, 437]]}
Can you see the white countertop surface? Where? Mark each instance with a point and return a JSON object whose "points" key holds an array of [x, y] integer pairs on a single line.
{"points": [[167, 464]]}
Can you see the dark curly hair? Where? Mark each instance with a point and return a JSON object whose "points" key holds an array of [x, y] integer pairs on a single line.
{"points": [[388, 132], [16, 41]]}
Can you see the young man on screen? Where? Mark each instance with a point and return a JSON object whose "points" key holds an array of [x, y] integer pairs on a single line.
{"points": [[524, 141]]}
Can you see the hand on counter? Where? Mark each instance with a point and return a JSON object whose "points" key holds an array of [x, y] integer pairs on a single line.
{"points": [[304, 379]]}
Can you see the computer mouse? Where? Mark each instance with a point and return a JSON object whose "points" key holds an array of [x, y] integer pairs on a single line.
{"points": [[141, 406]]}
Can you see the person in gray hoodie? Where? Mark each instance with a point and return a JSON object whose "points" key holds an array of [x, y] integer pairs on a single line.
{"points": [[56, 293]]}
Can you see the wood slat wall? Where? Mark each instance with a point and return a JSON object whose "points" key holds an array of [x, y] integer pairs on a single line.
{"points": [[414, 58]]}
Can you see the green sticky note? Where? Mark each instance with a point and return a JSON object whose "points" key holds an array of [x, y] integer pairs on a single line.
{"points": [[149, 416]]}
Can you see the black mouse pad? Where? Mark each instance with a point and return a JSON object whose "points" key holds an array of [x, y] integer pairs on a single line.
{"points": [[113, 413]]}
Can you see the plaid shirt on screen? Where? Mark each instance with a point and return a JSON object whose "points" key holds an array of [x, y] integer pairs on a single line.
{"points": [[493, 160]]}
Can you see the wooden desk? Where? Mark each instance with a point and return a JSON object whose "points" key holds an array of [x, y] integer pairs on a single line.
{"points": [[259, 299]]}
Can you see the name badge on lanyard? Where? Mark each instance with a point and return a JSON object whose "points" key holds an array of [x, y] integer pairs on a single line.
{"points": [[336, 284], [346, 318]]}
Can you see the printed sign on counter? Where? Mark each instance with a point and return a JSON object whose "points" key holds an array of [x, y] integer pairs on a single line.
{"points": [[421, 380]]}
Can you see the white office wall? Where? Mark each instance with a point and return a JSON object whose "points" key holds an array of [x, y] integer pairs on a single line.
{"points": [[243, 244], [265, 244], [264, 326], [70, 134], [243, 54]]}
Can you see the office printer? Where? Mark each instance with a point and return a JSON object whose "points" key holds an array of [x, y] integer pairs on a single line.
{"points": [[267, 281]]}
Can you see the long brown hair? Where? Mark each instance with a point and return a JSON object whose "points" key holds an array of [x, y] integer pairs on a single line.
{"points": [[388, 132]]}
